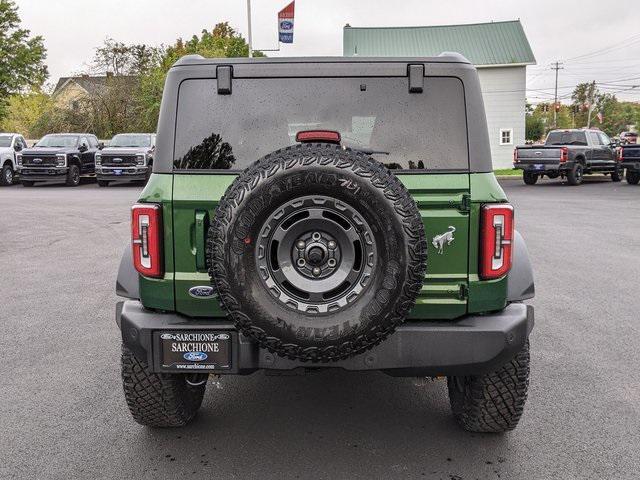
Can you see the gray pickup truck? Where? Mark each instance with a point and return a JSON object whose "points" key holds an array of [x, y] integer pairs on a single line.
{"points": [[569, 154], [629, 158]]}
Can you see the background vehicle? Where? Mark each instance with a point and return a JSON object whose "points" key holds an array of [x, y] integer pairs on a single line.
{"points": [[629, 158], [10, 144], [129, 156], [269, 238], [571, 154], [59, 157], [628, 138]]}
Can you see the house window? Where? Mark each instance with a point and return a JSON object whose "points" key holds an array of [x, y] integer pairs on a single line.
{"points": [[506, 136]]}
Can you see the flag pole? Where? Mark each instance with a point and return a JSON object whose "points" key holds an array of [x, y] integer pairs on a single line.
{"points": [[249, 28]]}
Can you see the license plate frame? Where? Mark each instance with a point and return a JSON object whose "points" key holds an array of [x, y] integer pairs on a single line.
{"points": [[195, 351]]}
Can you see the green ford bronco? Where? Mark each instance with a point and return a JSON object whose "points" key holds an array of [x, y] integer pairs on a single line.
{"points": [[313, 213]]}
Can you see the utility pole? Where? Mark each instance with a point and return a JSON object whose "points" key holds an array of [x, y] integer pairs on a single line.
{"points": [[249, 25], [556, 66]]}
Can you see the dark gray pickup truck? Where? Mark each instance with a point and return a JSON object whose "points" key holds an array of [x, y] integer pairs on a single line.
{"points": [[569, 154], [629, 158]]}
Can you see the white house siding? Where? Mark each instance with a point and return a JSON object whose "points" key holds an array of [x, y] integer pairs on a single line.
{"points": [[503, 89]]}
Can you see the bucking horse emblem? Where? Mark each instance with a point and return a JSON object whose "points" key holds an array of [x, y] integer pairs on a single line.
{"points": [[439, 241]]}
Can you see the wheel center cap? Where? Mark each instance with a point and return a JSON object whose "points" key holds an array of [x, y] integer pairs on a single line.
{"points": [[315, 256]]}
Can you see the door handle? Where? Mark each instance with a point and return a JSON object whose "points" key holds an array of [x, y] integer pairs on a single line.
{"points": [[202, 225]]}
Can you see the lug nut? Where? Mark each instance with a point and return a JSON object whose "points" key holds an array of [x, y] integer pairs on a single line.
{"points": [[316, 236], [332, 262], [301, 262], [301, 244], [316, 271], [331, 244]]}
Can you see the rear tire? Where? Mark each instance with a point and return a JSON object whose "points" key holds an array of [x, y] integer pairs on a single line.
{"points": [[73, 176], [27, 183], [158, 399], [575, 175], [7, 177], [492, 403], [289, 208], [633, 178], [617, 175], [147, 175], [530, 178], [103, 183]]}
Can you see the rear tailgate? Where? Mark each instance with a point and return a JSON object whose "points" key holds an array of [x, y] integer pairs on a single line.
{"points": [[441, 198], [538, 155]]}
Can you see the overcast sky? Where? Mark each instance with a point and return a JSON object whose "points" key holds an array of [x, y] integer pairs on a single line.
{"points": [[604, 35]]}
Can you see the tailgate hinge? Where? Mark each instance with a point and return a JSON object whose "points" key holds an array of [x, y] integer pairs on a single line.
{"points": [[463, 292], [416, 78], [224, 73], [465, 206]]}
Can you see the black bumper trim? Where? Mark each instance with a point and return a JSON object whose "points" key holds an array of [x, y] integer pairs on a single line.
{"points": [[468, 346]]}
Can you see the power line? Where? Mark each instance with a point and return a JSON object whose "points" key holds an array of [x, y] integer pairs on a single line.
{"points": [[625, 43]]}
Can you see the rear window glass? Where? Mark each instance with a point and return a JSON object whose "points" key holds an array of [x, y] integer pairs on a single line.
{"points": [[376, 115], [566, 138]]}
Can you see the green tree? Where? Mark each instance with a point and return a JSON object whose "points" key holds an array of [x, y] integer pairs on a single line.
{"points": [[21, 58], [221, 42], [24, 113], [121, 59], [534, 128]]}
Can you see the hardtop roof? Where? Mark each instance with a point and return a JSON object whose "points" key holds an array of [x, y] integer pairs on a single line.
{"points": [[445, 57]]}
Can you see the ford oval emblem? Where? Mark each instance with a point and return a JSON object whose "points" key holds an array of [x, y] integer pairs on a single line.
{"points": [[37, 160], [195, 356], [202, 291], [117, 160], [286, 25]]}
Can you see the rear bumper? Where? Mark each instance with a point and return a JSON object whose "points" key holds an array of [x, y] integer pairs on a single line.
{"points": [[468, 346], [543, 167], [634, 166]]}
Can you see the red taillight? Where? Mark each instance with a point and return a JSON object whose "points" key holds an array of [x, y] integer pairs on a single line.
{"points": [[146, 239], [564, 154], [496, 237], [515, 155], [328, 136], [620, 155]]}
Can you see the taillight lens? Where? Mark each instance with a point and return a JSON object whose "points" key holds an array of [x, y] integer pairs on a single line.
{"points": [[564, 154], [515, 155], [620, 154], [146, 239], [496, 237]]}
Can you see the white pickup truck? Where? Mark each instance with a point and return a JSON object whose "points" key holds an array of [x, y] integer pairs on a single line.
{"points": [[10, 143]]}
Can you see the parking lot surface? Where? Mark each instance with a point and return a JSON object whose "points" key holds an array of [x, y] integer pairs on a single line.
{"points": [[63, 414]]}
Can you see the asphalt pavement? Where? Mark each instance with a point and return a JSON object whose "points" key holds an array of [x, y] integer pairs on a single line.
{"points": [[63, 415]]}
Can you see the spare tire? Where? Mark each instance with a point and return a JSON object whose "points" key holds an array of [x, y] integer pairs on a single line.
{"points": [[318, 252]]}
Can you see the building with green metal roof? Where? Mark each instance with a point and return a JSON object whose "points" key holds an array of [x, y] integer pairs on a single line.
{"points": [[500, 51]]}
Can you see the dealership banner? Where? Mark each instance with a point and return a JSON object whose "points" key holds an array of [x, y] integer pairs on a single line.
{"points": [[285, 23]]}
